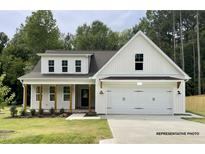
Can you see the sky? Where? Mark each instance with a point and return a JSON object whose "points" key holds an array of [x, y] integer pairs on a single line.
{"points": [[68, 21]]}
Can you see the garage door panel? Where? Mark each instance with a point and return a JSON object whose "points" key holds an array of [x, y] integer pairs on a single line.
{"points": [[143, 101]]}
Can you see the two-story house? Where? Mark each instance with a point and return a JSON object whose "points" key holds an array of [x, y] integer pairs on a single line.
{"points": [[138, 79]]}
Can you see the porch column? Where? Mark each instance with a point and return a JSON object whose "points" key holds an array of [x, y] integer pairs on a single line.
{"points": [[25, 87], [55, 98], [90, 98], [41, 96], [70, 98]]}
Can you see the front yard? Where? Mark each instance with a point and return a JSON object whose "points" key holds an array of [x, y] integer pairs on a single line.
{"points": [[196, 105], [201, 120], [51, 130]]}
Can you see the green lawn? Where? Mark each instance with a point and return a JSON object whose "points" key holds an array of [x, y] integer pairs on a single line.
{"points": [[51, 130], [202, 113], [201, 120]]}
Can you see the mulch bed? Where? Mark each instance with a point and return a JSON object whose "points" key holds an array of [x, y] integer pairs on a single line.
{"points": [[90, 114], [45, 115]]}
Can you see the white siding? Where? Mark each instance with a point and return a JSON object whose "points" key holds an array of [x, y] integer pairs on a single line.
{"points": [[46, 103], [71, 65], [179, 102], [100, 99], [154, 62]]}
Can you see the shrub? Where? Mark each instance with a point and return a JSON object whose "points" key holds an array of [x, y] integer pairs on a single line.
{"points": [[52, 111], [62, 111], [33, 112], [40, 111], [13, 110], [5, 93], [22, 112]]}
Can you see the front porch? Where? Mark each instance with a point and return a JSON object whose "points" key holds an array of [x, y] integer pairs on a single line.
{"points": [[69, 97]]}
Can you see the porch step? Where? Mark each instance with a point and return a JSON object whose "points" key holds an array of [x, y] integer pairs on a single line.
{"points": [[76, 116], [81, 116]]}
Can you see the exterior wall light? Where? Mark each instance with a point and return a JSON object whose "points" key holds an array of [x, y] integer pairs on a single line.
{"points": [[139, 83]]}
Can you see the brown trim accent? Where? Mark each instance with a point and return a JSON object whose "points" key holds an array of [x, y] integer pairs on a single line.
{"points": [[25, 87], [41, 96], [71, 99], [100, 84], [90, 98], [178, 84]]}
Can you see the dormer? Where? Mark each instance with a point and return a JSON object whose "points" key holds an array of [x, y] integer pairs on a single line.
{"points": [[64, 62]]}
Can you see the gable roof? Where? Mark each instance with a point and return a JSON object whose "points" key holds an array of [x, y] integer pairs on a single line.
{"points": [[98, 59], [140, 33]]}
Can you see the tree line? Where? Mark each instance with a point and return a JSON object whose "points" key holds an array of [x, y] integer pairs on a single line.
{"points": [[175, 32]]}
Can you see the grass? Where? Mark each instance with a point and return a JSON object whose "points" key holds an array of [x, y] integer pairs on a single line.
{"points": [[51, 130], [201, 120], [201, 113]]}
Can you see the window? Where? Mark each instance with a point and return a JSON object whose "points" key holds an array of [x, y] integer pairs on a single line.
{"points": [[52, 93], [66, 93], [78, 65], [139, 58], [64, 66], [51, 65], [38, 93]]}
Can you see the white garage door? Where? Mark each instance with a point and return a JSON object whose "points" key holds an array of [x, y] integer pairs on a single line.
{"points": [[143, 101]]}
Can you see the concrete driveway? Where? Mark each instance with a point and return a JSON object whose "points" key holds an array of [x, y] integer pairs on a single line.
{"points": [[143, 129]]}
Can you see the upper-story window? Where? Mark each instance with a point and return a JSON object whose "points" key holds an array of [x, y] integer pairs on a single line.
{"points": [[51, 65], [78, 65], [64, 66], [139, 58]]}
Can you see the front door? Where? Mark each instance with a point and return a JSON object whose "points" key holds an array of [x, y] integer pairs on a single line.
{"points": [[84, 97]]}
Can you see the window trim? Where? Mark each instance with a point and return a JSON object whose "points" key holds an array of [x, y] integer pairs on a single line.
{"points": [[64, 66], [139, 61], [78, 66], [51, 66], [63, 94], [49, 94], [38, 93]]}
